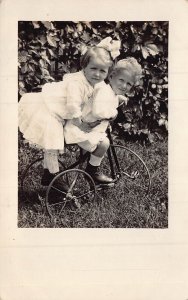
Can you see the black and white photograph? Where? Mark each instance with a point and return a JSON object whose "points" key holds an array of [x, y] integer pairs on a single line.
{"points": [[93, 124], [93, 154]]}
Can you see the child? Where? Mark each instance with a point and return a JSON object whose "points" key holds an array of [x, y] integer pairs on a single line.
{"points": [[42, 115], [89, 130]]}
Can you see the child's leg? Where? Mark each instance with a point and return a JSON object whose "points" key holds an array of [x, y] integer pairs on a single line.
{"points": [[51, 166], [51, 161], [95, 161], [97, 155]]}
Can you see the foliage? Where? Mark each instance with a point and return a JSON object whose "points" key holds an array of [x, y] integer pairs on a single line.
{"points": [[48, 50]]}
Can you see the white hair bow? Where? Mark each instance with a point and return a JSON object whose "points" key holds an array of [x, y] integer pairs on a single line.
{"points": [[110, 45]]}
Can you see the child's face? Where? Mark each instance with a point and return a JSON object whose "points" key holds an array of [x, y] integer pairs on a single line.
{"points": [[96, 71], [121, 82]]}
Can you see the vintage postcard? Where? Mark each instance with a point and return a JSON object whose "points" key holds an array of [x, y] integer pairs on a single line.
{"points": [[93, 104]]}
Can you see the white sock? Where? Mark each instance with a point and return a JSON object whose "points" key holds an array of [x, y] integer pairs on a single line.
{"points": [[51, 161], [95, 160]]}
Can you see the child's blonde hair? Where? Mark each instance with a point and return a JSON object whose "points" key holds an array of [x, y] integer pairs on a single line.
{"points": [[131, 65], [96, 52]]}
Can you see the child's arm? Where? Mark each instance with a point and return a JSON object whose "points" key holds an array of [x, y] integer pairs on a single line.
{"points": [[104, 103]]}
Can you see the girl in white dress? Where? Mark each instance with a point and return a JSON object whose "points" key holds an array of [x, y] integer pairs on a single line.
{"points": [[89, 130], [42, 115]]}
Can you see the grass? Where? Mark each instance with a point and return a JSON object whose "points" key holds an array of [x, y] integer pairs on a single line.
{"points": [[123, 206]]}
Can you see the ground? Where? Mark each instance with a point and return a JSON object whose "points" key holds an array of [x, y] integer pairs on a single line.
{"points": [[117, 207]]}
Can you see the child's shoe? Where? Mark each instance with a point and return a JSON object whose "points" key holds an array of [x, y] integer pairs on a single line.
{"points": [[47, 178], [98, 177]]}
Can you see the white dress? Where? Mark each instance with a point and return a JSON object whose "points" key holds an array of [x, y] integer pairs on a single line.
{"points": [[42, 115], [101, 106]]}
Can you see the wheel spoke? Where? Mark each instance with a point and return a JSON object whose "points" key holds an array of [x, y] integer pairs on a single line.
{"points": [[79, 186], [58, 190], [132, 170]]}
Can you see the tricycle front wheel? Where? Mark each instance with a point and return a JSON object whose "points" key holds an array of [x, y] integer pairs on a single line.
{"points": [[71, 191], [129, 171]]}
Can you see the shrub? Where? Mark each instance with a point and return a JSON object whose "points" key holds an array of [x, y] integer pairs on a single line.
{"points": [[48, 50]]}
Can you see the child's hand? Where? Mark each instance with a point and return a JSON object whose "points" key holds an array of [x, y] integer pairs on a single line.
{"points": [[87, 127], [94, 124], [123, 99], [77, 121]]}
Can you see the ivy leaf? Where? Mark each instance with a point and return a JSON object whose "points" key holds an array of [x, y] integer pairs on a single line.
{"points": [[109, 30], [153, 24], [48, 25], [56, 38], [37, 80], [88, 24], [152, 49], [145, 52], [45, 72], [44, 56], [149, 49], [116, 35], [36, 24], [62, 45], [128, 116], [145, 26], [51, 53], [64, 68], [61, 51], [35, 47], [69, 29], [127, 126], [24, 69], [86, 37], [133, 29], [147, 101], [144, 131], [23, 56], [135, 48], [42, 40], [161, 122], [31, 68], [35, 52], [163, 115], [42, 63], [79, 27], [154, 31], [76, 52], [126, 45], [138, 112], [95, 31], [118, 24], [75, 34], [22, 91], [21, 84], [51, 41]]}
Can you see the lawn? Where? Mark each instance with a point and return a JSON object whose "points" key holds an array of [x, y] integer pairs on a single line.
{"points": [[122, 206]]}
